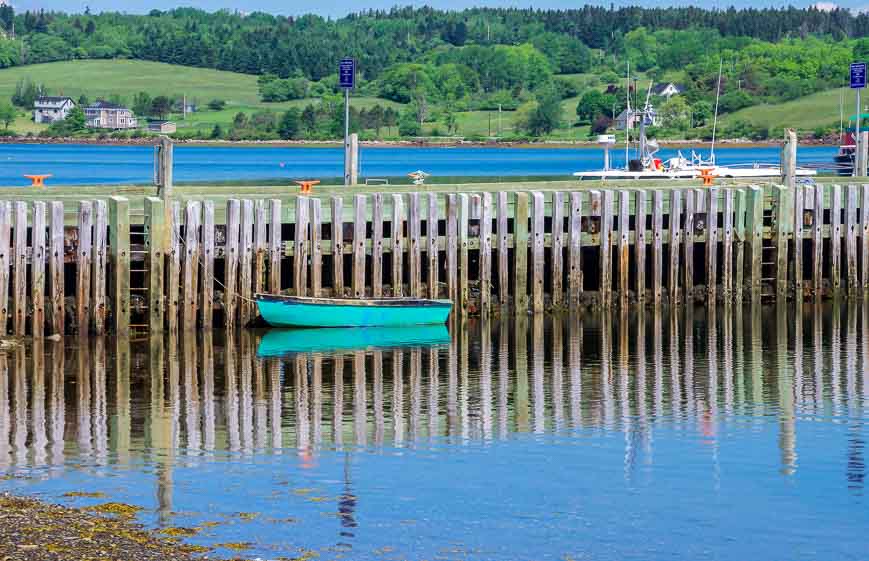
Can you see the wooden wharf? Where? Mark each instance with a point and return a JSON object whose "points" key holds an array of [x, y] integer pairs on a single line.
{"points": [[120, 259]]}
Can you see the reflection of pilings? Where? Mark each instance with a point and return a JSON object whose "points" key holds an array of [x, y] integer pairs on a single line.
{"points": [[538, 396], [5, 418], [208, 420], [231, 395], [606, 374], [641, 384], [245, 392], [83, 398], [316, 403], [192, 420], [360, 399], [503, 376], [624, 393], [433, 392], [453, 386], [398, 397], [173, 366], [817, 358], [727, 359], [574, 356], [99, 417], [756, 351], [712, 381], [675, 370], [37, 407], [657, 366], [856, 469], [787, 419], [121, 420], [300, 383], [799, 357], [377, 397], [260, 405], [415, 393], [739, 350], [19, 406], [836, 359], [520, 350], [56, 405], [464, 380], [160, 431], [688, 364], [338, 400], [558, 374]]}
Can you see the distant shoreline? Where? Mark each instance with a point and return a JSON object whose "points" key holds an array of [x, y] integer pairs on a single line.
{"points": [[148, 141]]}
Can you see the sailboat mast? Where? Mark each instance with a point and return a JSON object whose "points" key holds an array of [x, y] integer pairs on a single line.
{"points": [[628, 115], [715, 121]]}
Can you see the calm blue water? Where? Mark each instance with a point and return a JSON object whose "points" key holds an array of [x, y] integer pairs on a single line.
{"points": [[87, 164], [739, 435]]}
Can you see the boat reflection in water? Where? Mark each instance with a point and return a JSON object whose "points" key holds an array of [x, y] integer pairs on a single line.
{"points": [[615, 436]]}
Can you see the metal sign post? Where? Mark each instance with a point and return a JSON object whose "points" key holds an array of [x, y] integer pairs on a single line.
{"points": [[347, 80]]}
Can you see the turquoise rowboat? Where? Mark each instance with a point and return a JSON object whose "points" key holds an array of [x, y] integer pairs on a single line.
{"points": [[299, 311], [283, 342]]}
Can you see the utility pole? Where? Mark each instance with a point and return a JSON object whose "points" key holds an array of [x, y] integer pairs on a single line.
{"points": [[499, 119]]}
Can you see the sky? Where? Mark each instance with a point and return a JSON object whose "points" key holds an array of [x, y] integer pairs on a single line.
{"points": [[338, 8]]}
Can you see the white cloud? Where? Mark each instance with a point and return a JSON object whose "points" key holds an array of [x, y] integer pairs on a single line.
{"points": [[825, 6]]}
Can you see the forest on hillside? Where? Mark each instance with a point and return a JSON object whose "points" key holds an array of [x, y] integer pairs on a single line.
{"points": [[438, 63]]}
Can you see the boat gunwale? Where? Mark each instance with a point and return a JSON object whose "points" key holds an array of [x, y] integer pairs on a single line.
{"points": [[354, 302]]}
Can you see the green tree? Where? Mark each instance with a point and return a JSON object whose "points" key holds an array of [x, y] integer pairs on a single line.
{"points": [[161, 106], [289, 127], [216, 104], [594, 103], [408, 125], [142, 103], [7, 114], [240, 120], [217, 132], [674, 113], [543, 115]]}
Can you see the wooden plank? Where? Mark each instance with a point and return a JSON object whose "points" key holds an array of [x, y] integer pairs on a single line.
{"points": [[727, 246], [338, 246], [300, 247], [56, 307], [799, 221], [657, 246], [5, 262], [230, 260], [538, 240], [640, 241], [359, 223], [711, 244], [19, 268], [377, 245], [316, 223], [836, 239], [864, 236], [452, 248], [623, 246], [432, 251], [155, 217], [520, 253], [464, 262], [276, 250], [189, 288], [782, 232], [206, 303], [414, 255], [37, 269], [818, 240], [260, 245], [605, 236], [851, 231], [503, 251], [397, 232], [173, 280], [675, 243], [246, 266], [119, 248], [754, 230], [557, 251], [688, 246], [740, 237], [574, 276], [100, 259], [486, 254], [83, 267]]}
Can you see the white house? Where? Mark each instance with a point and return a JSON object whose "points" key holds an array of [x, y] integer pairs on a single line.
{"points": [[48, 109], [667, 89], [106, 115], [623, 121]]}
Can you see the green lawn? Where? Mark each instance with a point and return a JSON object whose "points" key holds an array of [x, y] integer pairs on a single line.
{"points": [[805, 113]]}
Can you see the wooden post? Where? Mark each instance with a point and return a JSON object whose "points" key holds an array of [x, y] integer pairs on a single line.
{"points": [[119, 247], [316, 220], [623, 246], [452, 249], [783, 229], [37, 269], [397, 231], [799, 222], [754, 227], [19, 268], [164, 168], [83, 267], [503, 250], [354, 158], [864, 236], [520, 253], [711, 244], [414, 251], [818, 241], [851, 238], [276, 250], [863, 154], [688, 236], [377, 245], [260, 244], [557, 250], [337, 243], [675, 242], [606, 228], [206, 304], [244, 276], [464, 264], [640, 241], [359, 223], [538, 237], [836, 239], [5, 262], [231, 257], [789, 159], [658, 246], [740, 231], [155, 224], [432, 251], [100, 258], [575, 254], [192, 214], [727, 246], [173, 281], [56, 307], [300, 247], [486, 254]]}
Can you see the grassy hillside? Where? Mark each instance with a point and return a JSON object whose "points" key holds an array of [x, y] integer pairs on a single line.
{"points": [[805, 114]]}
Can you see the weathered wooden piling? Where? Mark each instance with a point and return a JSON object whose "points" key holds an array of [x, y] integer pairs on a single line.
{"points": [[557, 249]]}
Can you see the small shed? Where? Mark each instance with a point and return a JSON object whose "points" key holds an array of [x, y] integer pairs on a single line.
{"points": [[165, 127]]}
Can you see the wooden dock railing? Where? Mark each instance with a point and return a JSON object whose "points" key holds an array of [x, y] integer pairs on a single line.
{"points": [[198, 263]]}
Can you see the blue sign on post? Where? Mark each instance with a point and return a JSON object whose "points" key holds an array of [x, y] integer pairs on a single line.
{"points": [[858, 75], [347, 73]]}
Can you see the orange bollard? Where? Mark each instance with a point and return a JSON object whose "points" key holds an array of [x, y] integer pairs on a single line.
{"points": [[306, 185], [707, 177], [37, 180]]}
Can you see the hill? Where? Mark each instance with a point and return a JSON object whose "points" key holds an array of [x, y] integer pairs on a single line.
{"points": [[805, 113]]}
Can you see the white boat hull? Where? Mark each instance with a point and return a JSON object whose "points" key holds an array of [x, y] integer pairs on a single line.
{"points": [[718, 171]]}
